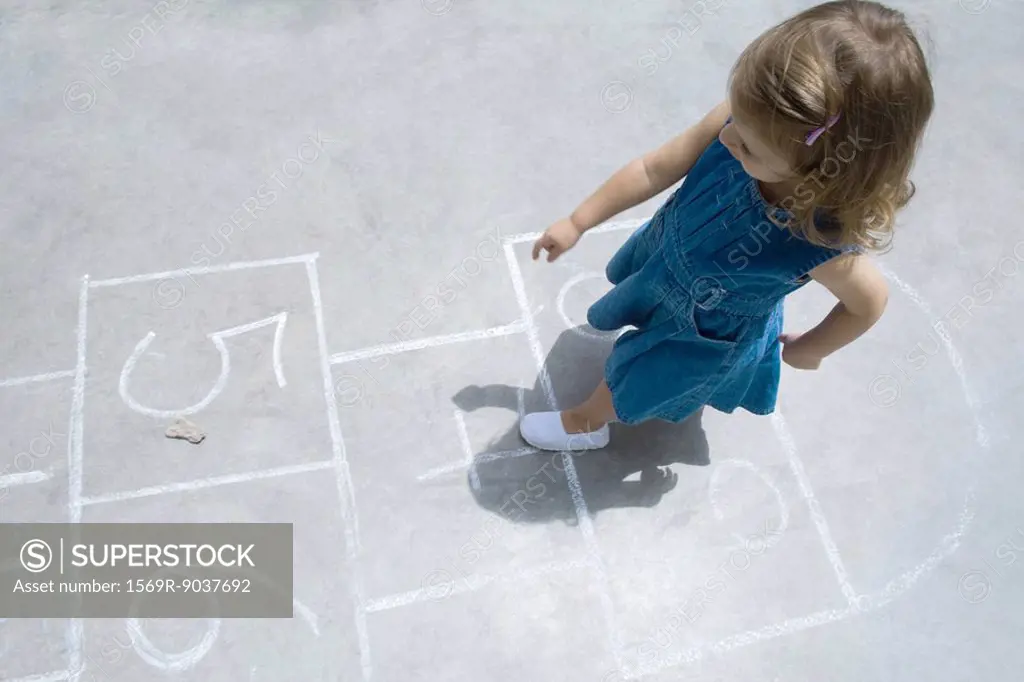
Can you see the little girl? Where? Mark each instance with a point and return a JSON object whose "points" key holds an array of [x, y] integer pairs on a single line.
{"points": [[794, 177]]}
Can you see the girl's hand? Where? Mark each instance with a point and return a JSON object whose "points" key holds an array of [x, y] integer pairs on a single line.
{"points": [[557, 239], [795, 355]]}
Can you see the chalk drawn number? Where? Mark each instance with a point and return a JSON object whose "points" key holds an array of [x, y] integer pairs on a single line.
{"points": [[225, 366]]}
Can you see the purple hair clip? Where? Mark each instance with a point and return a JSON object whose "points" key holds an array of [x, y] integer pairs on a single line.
{"points": [[815, 134]]}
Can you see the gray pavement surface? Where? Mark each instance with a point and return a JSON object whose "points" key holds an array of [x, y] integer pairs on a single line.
{"points": [[349, 179]]}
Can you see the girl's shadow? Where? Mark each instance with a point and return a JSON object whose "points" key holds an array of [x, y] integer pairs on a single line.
{"points": [[531, 486]]}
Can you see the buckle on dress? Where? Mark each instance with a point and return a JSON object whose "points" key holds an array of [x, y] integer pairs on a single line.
{"points": [[707, 293]]}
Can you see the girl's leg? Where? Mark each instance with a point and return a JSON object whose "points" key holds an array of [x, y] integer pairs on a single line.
{"points": [[592, 414]]}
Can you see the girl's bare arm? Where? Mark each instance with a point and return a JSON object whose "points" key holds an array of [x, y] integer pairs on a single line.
{"points": [[652, 173], [862, 292]]}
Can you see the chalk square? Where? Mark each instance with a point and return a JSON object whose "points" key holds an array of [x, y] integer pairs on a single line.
{"points": [[682, 590], [469, 280], [558, 295], [319, 642], [33, 459], [907, 450], [255, 422], [525, 630], [565, 289], [401, 426], [730, 548], [47, 639]]}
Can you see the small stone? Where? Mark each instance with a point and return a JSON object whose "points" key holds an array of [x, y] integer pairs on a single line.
{"points": [[183, 429]]}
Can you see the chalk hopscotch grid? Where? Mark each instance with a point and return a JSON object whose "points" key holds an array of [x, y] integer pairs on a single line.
{"points": [[77, 501], [615, 633], [594, 560], [857, 603], [525, 324]]}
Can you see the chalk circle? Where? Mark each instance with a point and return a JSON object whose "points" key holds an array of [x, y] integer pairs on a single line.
{"points": [[185, 660], [178, 662], [437, 7], [572, 326], [155, 656], [617, 675], [974, 6], [714, 486]]}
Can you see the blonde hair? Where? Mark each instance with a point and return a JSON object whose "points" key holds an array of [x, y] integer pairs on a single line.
{"points": [[859, 60]]}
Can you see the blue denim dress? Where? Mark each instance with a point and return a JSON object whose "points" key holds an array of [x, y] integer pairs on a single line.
{"points": [[703, 284]]}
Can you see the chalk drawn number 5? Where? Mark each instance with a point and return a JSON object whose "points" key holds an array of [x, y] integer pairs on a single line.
{"points": [[225, 366]]}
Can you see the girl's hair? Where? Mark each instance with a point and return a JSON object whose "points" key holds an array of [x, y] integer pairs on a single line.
{"points": [[860, 61]]}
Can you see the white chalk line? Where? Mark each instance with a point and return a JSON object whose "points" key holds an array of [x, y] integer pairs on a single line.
{"points": [[467, 450], [75, 635], [949, 544], [307, 615], [817, 515], [482, 458], [981, 435], [26, 478], [188, 272], [56, 676], [584, 522], [225, 366], [37, 378], [471, 583], [632, 223], [343, 479], [281, 319], [894, 588], [429, 342], [743, 639], [210, 482], [519, 285]]}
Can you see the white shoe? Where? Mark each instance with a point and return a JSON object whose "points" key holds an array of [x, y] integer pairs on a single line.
{"points": [[544, 431]]}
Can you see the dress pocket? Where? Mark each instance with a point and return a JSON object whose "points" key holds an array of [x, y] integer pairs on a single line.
{"points": [[717, 326]]}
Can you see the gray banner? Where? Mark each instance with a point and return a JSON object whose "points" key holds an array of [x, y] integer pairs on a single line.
{"points": [[146, 570]]}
